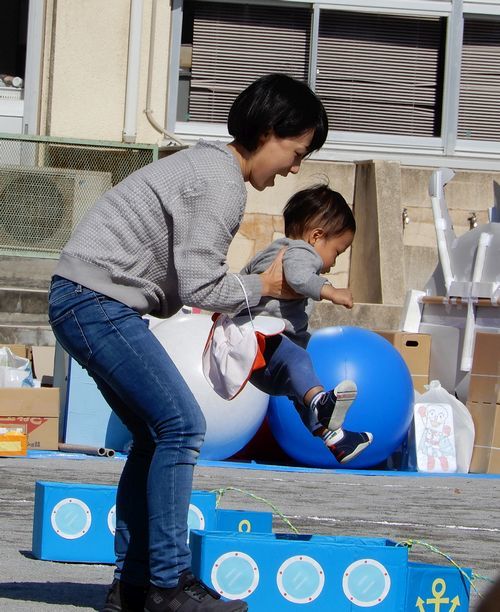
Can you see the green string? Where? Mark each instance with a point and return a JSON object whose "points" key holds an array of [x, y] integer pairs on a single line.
{"points": [[220, 493], [407, 543], [434, 549]]}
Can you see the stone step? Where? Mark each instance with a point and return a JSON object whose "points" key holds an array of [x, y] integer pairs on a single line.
{"points": [[26, 272], [19, 302], [369, 316], [31, 335], [23, 317]]}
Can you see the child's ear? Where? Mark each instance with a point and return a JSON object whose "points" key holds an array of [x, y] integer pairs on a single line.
{"points": [[315, 234]]}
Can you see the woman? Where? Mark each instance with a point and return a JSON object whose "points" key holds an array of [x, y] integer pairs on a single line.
{"points": [[158, 240]]}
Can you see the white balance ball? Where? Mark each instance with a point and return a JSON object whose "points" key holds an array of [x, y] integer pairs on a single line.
{"points": [[230, 424]]}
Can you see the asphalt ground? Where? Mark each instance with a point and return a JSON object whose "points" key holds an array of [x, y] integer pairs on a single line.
{"points": [[459, 516]]}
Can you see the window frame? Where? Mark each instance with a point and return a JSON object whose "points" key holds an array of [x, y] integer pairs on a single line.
{"points": [[349, 146]]}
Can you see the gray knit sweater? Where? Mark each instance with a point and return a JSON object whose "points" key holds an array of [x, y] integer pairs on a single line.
{"points": [[301, 266], [159, 239]]}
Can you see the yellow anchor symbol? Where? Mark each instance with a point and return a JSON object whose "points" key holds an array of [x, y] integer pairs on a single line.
{"points": [[438, 590]]}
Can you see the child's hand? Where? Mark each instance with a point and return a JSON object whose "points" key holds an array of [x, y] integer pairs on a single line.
{"points": [[342, 297]]}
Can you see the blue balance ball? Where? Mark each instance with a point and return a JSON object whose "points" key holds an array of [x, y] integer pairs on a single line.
{"points": [[383, 406]]}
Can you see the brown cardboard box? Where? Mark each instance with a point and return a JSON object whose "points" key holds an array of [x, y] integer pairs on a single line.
{"points": [[416, 351], [483, 402], [21, 350], [484, 383], [37, 409], [486, 454], [42, 360]]}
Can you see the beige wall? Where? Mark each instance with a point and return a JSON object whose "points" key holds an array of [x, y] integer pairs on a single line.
{"points": [[85, 69]]}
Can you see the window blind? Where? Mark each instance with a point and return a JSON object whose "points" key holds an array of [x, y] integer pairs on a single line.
{"points": [[381, 73], [234, 44], [479, 102]]}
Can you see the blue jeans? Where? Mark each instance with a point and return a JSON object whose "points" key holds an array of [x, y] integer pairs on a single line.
{"points": [[144, 388], [289, 371]]}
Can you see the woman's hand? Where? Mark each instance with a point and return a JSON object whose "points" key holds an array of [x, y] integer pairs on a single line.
{"points": [[274, 283]]}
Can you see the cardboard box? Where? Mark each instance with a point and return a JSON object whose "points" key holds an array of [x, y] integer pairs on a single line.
{"points": [[486, 453], [483, 402], [37, 410], [484, 386], [416, 351], [21, 350], [13, 441], [42, 360]]}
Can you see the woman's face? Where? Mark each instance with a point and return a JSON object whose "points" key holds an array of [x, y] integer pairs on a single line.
{"points": [[274, 156]]}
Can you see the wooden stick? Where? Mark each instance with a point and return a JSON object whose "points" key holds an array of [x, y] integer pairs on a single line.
{"points": [[459, 301]]}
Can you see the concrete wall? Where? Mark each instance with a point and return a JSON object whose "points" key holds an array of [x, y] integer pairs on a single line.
{"points": [[85, 69], [387, 257]]}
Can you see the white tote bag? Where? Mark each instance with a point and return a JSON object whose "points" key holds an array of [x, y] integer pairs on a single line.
{"points": [[234, 349]]}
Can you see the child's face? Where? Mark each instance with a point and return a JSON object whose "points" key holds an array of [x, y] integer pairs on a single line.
{"points": [[329, 248]]}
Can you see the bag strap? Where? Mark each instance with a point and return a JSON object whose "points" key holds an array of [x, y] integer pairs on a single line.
{"points": [[246, 297]]}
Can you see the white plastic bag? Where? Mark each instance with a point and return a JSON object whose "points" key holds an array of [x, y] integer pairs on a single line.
{"points": [[14, 371], [442, 435]]}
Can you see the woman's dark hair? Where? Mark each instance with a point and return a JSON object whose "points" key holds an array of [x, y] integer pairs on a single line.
{"points": [[280, 103], [318, 206]]}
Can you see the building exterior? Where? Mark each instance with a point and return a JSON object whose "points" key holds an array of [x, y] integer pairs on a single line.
{"points": [[410, 81]]}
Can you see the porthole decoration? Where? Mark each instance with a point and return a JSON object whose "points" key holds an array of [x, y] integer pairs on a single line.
{"points": [[71, 518], [112, 520], [366, 583], [300, 579], [235, 575], [196, 520]]}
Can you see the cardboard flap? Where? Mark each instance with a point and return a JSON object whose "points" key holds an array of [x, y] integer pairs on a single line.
{"points": [[486, 359], [29, 402], [43, 361]]}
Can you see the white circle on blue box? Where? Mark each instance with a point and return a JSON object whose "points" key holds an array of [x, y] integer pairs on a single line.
{"points": [[300, 579], [196, 520], [71, 518], [112, 520], [366, 583], [235, 575]]}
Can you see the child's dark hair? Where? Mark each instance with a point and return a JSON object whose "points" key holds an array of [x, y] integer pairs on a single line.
{"points": [[278, 103], [318, 206]]}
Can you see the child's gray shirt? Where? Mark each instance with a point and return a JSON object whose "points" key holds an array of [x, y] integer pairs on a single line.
{"points": [[159, 239], [301, 267]]}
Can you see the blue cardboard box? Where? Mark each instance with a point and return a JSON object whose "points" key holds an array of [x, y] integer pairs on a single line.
{"points": [[76, 522], [282, 571]]}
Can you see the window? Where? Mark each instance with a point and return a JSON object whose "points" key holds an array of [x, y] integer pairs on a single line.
{"points": [[389, 76], [13, 45], [227, 46], [479, 104], [381, 73]]}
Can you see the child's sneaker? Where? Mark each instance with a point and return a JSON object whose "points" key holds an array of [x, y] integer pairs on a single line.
{"points": [[344, 444], [331, 408]]}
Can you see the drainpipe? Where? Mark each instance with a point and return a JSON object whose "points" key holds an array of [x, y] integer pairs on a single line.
{"points": [[148, 111], [133, 71]]}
